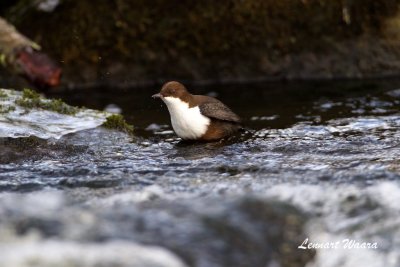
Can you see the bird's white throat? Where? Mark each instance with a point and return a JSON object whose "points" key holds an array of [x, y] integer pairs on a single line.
{"points": [[188, 123]]}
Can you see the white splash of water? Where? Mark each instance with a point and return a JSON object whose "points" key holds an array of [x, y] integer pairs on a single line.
{"points": [[345, 212]]}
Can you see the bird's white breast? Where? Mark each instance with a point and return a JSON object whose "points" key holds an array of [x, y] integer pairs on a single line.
{"points": [[188, 123]]}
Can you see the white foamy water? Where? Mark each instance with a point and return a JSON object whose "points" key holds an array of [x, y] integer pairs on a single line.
{"points": [[348, 215], [53, 253]]}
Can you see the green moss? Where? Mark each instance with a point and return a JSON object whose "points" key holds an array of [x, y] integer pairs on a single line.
{"points": [[31, 99], [30, 94], [118, 122], [3, 94], [7, 109]]}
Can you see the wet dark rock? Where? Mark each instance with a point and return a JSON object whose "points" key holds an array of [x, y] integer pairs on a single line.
{"points": [[15, 150]]}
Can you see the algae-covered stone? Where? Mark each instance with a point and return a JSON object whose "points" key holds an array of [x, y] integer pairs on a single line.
{"points": [[31, 99], [2, 93], [28, 114], [6, 109], [117, 122]]}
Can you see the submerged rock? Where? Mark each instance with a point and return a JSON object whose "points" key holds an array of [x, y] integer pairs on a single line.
{"points": [[33, 148]]}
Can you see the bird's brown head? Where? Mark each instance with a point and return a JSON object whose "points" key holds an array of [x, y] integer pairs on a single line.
{"points": [[173, 89]]}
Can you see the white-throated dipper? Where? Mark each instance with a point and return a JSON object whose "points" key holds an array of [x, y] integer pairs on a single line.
{"points": [[197, 117]]}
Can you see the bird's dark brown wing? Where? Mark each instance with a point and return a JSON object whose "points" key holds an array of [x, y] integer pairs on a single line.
{"points": [[215, 109]]}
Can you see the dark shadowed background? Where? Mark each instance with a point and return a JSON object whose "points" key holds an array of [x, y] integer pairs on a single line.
{"points": [[127, 43]]}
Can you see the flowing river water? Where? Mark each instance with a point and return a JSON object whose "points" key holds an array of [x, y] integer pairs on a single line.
{"points": [[319, 161]]}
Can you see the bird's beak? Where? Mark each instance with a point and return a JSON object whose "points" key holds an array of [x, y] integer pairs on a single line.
{"points": [[156, 95]]}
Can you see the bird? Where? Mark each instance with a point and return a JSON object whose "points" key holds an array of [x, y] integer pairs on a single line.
{"points": [[197, 117]]}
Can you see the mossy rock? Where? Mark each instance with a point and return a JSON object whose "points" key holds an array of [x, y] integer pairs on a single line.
{"points": [[6, 109], [31, 99], [117, 122], [25, 114], [3, 94]]}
